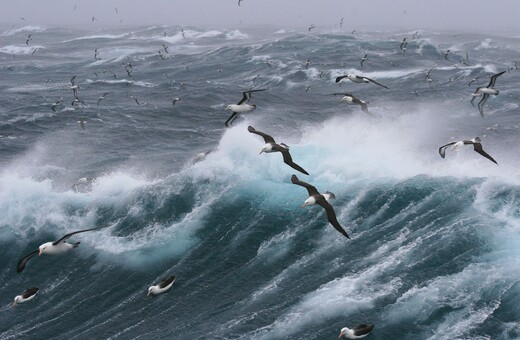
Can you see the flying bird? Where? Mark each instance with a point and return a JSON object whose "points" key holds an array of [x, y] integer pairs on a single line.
{"points": [[102, 97], [29, 38], [163, 286], [316, 198], [363, 60], [485, 92], [350, 99], [136, 101], [359, 80], [82, 122], [357, 332], [477, 147], [241, 106], [51, 248], [272, 146], [403, 45], [175, 100]]}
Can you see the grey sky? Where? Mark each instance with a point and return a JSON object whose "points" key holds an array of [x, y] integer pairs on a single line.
{"points": [[465, 15]]}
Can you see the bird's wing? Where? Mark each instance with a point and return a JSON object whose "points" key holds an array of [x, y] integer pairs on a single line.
{"points": [[310, 188], [338, 79], [230, 119], [375, 82], [287, 159], [493, 79], [23, 260], [481, 103], [29, 292], [167, 281], [267, 138], [331, 216], [247, 95], [362, 329], [478, 148], [66, 236], [442, 149]]}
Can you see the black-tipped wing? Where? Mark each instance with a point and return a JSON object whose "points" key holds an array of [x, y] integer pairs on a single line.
{"points": [[310, 188], [165, 282], [267, 138], [331, 215], [287, 159], [70, 234], [338, 79], [375, 82], [478, 148], [442, 149], [493, 79], [481, 103], [29, 292], [362, 329], [23, 260]]}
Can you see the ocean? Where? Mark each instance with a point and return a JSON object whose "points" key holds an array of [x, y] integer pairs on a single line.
{"points": [[435, 242]]}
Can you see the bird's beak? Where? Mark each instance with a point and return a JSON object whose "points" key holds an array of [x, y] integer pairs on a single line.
{"points": [[340, 335], [39, 253], [14, 303], [303, 206], [148, 295], [261, 151]]}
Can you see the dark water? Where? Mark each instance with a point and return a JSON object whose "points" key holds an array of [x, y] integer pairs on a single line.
{"points": [[435, 242]]}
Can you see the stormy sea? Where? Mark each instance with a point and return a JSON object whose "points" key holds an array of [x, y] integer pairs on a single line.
{"points": [[435, 243]]}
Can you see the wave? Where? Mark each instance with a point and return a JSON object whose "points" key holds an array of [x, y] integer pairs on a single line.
{"points": [[36, 29]]}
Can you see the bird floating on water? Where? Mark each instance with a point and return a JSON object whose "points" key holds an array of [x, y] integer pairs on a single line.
{"points": [[163, 286], [357, 332], [28, 295]]}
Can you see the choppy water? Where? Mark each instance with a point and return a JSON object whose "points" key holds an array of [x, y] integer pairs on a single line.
{"points": [[435, 245]]}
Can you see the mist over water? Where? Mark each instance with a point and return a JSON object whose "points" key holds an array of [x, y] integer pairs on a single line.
{"points": [[434, 241]]}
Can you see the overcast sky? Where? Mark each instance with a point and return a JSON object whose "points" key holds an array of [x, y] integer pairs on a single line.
{"points": [[465, 15]]}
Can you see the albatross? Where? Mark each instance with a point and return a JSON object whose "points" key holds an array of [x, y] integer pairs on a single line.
{"points": [[350, 99], [477, 146], [241, 106], [163, 286], [357, 332], [316, 198], [51, 248], [28, 295], [272, 146], [359, 80], [485, 92]]}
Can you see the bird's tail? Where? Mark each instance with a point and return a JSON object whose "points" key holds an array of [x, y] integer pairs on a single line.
{"points": [[74, 245]]}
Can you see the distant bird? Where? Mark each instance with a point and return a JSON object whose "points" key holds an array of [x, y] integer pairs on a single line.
{"points": [[311, 27], [241, 106], [165, 48], [102, 97], [34, 51], [350, 99], [22, 18], [477, 147], [115, 8], [485, 92], [307, 63], [163, 286], [83, 182], [29, 38], [161, 55], [200, 156], [363, 60], [93, 18], [96, 53], [28, 295], [359, 80], [239, 1], [473, 80], [446, 54], [353, 31], [316, 198], [341, 22], [82, 122], [55, 105], [416, 93], [403, 45], [77, 101], [52, 248], [357, 332], [136, 101], [428, 78], [267, 63], [272, 146], [175, 100]]}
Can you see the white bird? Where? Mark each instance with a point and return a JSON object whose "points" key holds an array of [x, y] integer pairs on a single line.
{"points": [[28, 295], [51, 248], [477, 147], [163, 286], [241, 106], [350, 99], [357, 332], [485, 92], [359, 80], [321, 199]]}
